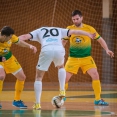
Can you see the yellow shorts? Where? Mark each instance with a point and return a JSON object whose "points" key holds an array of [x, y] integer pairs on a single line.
{"points": [[11, 65], [73, 64]]}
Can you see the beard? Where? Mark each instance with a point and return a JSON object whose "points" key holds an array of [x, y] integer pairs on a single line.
{"points": [[78, 24]]}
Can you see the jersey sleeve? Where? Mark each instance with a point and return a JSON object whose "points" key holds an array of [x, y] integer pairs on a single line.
{"points": [[94, 31], [64, 33], [35, 35], [15, 39], [67, 37]]}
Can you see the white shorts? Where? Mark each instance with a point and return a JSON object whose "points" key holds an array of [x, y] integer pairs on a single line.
{"points": [[50, 55]]}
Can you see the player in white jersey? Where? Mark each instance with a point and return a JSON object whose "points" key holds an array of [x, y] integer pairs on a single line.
{"points": [[52, 50]]}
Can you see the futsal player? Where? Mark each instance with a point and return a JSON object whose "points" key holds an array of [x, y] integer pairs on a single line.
{"points": [[52, 50], [9, 64], [80, 55]]}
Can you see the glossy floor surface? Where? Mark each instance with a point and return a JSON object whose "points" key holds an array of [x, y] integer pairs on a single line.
{"points": [[78, 104]]}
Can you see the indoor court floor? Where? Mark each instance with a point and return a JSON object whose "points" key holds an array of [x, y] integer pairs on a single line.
{"points": [[78, 104]]}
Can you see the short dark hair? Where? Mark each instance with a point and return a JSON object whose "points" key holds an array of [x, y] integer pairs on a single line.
{"points": [[7, 31], [76, 12]]}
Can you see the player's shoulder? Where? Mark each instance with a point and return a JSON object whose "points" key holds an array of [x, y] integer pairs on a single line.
{"points": [[70, 26], [88, 26], [14, 36]]}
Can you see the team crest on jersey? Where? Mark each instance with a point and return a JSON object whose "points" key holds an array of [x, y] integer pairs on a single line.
{"points": [[5, 50], [78, 39]]}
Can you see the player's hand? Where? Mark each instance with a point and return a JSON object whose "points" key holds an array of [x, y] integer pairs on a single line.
{"points": [[92, 36], [110, 53], [33, 48]]}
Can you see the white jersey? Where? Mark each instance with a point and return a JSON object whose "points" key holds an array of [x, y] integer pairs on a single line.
{"points": [[49, 35]]}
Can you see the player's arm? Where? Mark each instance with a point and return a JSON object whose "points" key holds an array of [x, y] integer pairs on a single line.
{"points": [[25, 37], [24, 44], [80, 32], [104, 45], [64, 41]]}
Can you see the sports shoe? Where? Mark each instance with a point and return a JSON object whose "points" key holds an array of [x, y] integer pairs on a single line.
{"points": [[36, 106], [0, 106], [64, 99], [62, 93], [19, 104], [101, 102]]}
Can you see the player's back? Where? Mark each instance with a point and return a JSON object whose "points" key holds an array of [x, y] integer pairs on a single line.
{"points": [[51, 35]]}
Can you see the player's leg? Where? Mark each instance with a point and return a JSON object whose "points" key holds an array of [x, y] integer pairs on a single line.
{"points": [[59, 63], [2, 77], [72, 65], [68, 76], [95, 82], [89, 66], [38, 88], [96, 86], [13, 66], [19, 86], [61, 78], [45, 59]]}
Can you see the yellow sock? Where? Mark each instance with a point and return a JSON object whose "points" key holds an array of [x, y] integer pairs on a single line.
{"points": [[18, 89], [1, 86], [97, 89], [66, 86]]}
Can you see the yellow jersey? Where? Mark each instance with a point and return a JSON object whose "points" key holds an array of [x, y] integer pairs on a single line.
{"points": [[5, 47], [80, 45]]}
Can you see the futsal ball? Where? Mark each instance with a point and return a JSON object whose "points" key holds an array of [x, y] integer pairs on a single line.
{"points": [[57, 102]]}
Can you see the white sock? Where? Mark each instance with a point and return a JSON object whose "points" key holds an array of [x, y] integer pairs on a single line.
{"points": [[38, 90], [62, 78]]}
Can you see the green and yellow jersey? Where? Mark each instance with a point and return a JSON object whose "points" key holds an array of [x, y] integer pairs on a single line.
{"points": [[5, 47], [80, 45]]}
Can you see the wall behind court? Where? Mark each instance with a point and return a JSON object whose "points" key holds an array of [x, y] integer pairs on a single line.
{"points": [[24, 16]]}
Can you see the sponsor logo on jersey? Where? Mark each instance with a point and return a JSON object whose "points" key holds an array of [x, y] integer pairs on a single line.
{"points": [[51, 40]]}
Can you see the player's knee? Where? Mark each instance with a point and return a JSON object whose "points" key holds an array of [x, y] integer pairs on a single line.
{"points": [[23, 78], [2, 77], [39, 76], [96, 75]]}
